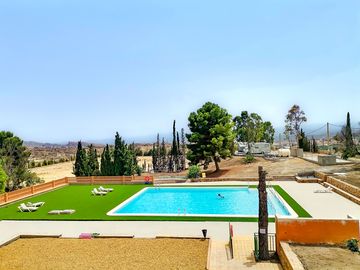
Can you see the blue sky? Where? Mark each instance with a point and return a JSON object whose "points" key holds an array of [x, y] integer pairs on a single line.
{"points": [[73, 70]]}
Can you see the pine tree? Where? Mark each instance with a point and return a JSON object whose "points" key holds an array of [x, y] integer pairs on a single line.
{"points": [[80, 167], [350, 147]]}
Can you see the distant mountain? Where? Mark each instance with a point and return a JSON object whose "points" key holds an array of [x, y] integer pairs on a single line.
{"points": [[33, 144], [318, 131]]}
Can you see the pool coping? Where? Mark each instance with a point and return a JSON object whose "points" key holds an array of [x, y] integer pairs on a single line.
{"points": [[292, 213]]}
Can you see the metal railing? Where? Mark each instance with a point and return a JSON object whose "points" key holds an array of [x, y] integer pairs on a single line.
{"points": [[271, 244]]}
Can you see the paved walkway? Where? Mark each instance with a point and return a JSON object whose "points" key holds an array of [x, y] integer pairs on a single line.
{"points": [[243, 256]]}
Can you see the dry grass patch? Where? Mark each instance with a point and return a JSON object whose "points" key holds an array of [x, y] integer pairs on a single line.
{"points": [[114, 253], [326, 257]]}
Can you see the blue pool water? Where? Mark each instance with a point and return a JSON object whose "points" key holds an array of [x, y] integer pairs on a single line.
{"points": [[199, 201]]}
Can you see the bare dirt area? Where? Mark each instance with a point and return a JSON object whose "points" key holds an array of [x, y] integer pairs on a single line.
{"points": [[56, 171], [233, 167], [326, 257], [124, 254], [350, 174]]}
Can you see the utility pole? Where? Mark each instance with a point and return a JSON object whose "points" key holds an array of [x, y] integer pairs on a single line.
{"points": [[328, 136], [280, 143]]}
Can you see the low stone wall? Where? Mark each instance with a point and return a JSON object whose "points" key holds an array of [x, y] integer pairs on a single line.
{"points": [[303, 180], [288, 259], [326, 160], [342, 188], [246, 179], [353, 190], [321, 175]]}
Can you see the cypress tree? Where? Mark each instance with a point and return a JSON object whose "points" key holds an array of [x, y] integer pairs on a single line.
{"points": [[156, 155], [315, 148], [93, 164], [301, 138], [80, 167], [102, 162], [154, 158], [97, 166], [120, 155], [107, 166], [163, 159], [350, 147], [178, 154], [174, 152], [183, 150]]}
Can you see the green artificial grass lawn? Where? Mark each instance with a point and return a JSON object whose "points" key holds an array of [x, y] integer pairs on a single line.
{"points": [[89, 207]]}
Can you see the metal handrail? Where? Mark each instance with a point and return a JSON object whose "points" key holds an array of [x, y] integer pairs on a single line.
{"points": [[271, 244]]}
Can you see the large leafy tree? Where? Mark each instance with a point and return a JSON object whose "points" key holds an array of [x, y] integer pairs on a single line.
{"points": [[15, 157], [293, 121], [212, 135], [3, 178], [251, 128]]}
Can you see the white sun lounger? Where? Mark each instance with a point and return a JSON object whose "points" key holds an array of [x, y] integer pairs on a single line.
{"points": [[24, 208], [97, 192], [62, 212], [37, 204], [105, 189], [327, 190]]}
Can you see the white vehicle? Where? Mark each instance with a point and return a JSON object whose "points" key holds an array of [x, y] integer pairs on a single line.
{"points": [[255, 148], [260, 148]]}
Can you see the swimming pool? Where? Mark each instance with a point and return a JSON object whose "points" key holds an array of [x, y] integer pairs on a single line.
{"points": [[200, 201]]}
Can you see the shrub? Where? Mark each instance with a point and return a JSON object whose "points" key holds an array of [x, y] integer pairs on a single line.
{"points": [[194, 172], [249, 159], [45, 162], [3, 179], [353, 245], [139, 170]]}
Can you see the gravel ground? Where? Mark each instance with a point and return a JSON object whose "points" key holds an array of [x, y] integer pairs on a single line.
{"points": [[326, 258], [53, 253]]}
